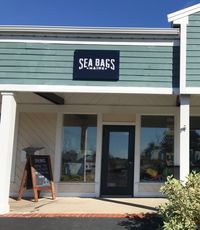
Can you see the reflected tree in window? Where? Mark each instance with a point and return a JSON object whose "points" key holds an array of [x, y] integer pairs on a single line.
{"points": [[195, 144], [79, 148], [157, 148]]}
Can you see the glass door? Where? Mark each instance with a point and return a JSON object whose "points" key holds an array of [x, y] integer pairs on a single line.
{"points": [[117, 160]]}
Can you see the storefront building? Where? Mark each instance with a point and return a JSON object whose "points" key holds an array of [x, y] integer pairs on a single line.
{"points": [[117, 109]]}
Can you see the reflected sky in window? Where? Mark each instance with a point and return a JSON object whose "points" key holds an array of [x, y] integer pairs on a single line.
{"points": [[72, 138], [151, 135], [118, 147]]}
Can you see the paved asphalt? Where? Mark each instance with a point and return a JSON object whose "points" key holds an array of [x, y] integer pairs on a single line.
{"points": [[74, 224]]}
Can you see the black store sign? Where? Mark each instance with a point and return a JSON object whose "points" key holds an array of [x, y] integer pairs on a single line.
{"points": [[96, 65]]}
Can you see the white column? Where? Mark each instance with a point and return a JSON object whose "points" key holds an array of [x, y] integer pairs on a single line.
{"points": [[184, 136], [58, 150], [7, 129], [137, 155], [177, 138], [98, 156]]}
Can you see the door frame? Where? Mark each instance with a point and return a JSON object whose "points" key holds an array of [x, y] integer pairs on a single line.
{"points": [[110, 123]]}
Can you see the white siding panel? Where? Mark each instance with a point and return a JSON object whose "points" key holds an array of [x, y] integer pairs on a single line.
{"points": [[35, 130], [149, 187], [76, 188]]}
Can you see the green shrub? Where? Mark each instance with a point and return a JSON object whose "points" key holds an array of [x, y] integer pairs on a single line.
{"points": [[182, 211]]}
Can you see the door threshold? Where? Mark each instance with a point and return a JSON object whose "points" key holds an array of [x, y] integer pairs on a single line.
{"points": [[116, 196]]}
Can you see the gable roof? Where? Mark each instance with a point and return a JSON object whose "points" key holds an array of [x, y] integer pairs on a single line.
{"points": [[183, 13]]}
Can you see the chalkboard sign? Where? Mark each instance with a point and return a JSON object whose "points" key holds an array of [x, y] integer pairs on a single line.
{"points": [[41, 170], [37, 176], [29, 182]]}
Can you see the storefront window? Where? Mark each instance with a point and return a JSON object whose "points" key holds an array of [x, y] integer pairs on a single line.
{"points": [[157, 148], [79, 148], [195, 144]]}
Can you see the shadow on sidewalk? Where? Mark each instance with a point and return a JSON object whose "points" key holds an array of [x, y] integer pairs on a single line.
{"points": [[129, 204], [143, 222]]}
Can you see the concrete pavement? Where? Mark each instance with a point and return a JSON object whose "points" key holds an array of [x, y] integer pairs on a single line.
{"points": [[86, 206], [83, 213]]}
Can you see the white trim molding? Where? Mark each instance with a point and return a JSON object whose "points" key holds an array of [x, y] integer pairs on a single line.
{"points": [[88, 89], [184, 130], [94, 109], [177, 138], [7, 133], [183, 50], [73, 42], [183, 13], [15, 147], [183, 22], [137, 155], [58, 144], [98, 154], [192, 90]]}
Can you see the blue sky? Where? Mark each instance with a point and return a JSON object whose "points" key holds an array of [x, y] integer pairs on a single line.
{"points": [[101, 13]]}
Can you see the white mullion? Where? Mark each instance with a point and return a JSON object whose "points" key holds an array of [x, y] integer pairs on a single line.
{"points": [[58, 148], [137, 154], [98, 154], [184, 129]]}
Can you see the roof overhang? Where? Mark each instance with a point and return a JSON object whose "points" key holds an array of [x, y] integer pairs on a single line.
{"points": [[87, 30], [182, 15]]}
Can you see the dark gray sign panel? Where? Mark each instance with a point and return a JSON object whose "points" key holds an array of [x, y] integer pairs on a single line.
{"points": [[96, 65]]}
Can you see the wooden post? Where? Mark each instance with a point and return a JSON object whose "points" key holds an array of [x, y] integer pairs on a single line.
{"points": [[24, 180]]}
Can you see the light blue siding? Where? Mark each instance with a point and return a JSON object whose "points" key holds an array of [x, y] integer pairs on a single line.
{"points": [[35, 63], [193, 51]]}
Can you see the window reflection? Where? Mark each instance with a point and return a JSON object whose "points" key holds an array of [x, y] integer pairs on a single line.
{"points": [[157, 148], [195, 144], [118, 159], [79, 148]]}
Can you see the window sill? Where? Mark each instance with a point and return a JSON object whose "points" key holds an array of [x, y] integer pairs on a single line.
{"points": [[151, 182], [79, 183]]}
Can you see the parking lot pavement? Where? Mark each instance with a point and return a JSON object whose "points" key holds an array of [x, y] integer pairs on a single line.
{"points": [[58, 223], [83, 214], [61, 224]]}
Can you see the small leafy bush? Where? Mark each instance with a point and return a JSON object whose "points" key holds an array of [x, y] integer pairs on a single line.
{"points": [[182, 211]]}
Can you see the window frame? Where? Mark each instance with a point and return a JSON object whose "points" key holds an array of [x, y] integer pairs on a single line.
{"points": [[59, 145], [174, 115], [191, 115]]}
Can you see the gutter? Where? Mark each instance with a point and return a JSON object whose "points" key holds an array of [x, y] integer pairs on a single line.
{"points": [[90, 30]]}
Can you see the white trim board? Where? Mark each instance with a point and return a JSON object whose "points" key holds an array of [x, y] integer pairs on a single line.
{"points": [[94, 109], [116, 123], [58, 148], [14, 155], [183, 13], [149, 194], [195, 111], [183, 48], [87, 89], [136, 177], [72, 42], [98, 161], [192, 90]]}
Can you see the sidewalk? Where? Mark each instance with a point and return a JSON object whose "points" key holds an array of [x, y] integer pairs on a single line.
{"points": [[84, 207]]}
